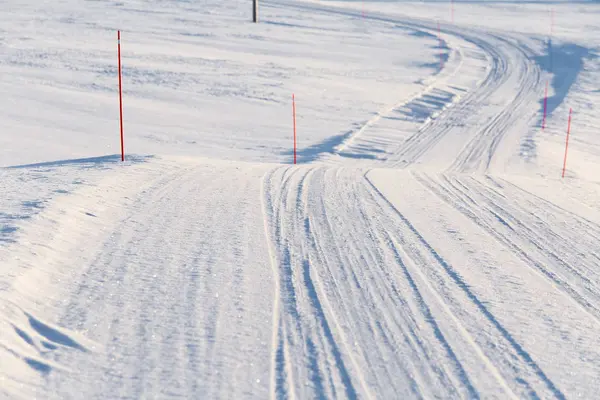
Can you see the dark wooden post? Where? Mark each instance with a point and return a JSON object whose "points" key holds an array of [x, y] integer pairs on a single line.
{"points": [[255, 10]]}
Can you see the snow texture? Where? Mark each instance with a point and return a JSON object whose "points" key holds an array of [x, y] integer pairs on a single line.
{"points": [[425, 246]]}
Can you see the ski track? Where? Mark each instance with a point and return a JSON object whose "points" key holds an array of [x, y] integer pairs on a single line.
{"points": [[560, 258], [316, 285], [467, 99], [494, 286], [353, 294], [484, 116]]}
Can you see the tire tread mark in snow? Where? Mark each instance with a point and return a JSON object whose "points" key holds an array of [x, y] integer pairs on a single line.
{"points": [[398, 293], [415, 141], [284, 380], [431, 88]]}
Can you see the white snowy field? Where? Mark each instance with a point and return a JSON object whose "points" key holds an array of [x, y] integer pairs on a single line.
{"points": [[425, 246]]}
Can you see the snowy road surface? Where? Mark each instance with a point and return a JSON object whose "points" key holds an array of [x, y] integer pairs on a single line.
{"points": [[424, 247]]}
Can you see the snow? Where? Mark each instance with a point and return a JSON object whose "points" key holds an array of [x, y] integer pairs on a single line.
{"points": [[425, 246]]}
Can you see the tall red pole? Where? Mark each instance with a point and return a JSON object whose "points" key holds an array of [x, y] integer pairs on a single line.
{"points": [[567, 144], [120, 96], [545, 106], [294, 117]]}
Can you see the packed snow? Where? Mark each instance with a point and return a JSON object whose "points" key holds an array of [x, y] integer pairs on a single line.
{"points": [[424, 246]]}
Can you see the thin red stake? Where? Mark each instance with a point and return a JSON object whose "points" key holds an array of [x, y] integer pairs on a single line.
{"points": [[567, 144], [441, 47], [120, 96], [545, 107], [294, 116]]}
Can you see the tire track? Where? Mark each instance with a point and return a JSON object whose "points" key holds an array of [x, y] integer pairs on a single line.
{"points": [[277, 358], [298, 293], [406, 231], [478, 153], [505, 358], [590, 226], [415, 303], [338, 289], [479, 119], [385, 148], [508, 230]]}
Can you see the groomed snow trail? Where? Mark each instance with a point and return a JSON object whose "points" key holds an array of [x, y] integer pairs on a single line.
{"points": [[381, 298], [405, 263], [476, 264], [514, 280], [354, 306], [177, 305], [487, 91]]}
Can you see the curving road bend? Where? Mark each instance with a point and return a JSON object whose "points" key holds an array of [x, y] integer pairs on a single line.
{"points": [[409, 269], [406, 264]]}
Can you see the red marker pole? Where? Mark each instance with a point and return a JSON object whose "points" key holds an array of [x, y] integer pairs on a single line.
{"points": [[120, 95], [567, 144], [294, 117], [545, 107]]}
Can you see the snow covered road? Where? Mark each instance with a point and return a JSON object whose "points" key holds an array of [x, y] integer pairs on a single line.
{"points": [[418, 254]]}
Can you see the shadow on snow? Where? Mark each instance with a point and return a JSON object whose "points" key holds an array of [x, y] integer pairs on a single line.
{"points": [[327, 146], [86, 162], [565, 62]]}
